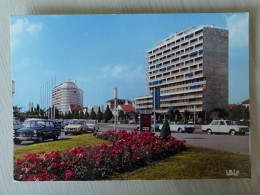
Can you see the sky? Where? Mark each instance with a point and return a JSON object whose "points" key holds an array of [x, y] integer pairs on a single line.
{"points": [[102, 52]]}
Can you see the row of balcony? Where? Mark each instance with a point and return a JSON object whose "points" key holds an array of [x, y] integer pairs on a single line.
{"points": [[174, 44], [180, 49], [187, 62]]}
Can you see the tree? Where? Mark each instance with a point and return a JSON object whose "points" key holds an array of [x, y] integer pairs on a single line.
{"points": [[121, 115], [166, 131], [238, 113], [93, 114], [86, 116], [136, 117], [178, 114], [81, 114], [186, 115], [171, 114], [108, 114], [69, 115], [99, 115]]}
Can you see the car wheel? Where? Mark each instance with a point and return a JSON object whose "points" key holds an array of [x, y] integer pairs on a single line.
{"points": [[180, 130], [55, 138], [17, 141], [232, 132], [209, 131]]}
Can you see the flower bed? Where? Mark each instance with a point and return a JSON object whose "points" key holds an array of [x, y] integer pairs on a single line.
{"points": [[127, 152]]}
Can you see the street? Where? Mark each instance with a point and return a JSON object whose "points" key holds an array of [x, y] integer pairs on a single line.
{"points": [[237, 143]]}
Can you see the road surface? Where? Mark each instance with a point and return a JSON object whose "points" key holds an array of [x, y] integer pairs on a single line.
{"points": [[237, 143]]}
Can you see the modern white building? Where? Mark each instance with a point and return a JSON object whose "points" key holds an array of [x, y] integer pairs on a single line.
{"points": [[30, 107], [190, 69], [65, 94]]}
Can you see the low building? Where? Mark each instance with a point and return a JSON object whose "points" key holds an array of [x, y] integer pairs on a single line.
{"points": [[246, 103], [74, 107], [95, 108]]}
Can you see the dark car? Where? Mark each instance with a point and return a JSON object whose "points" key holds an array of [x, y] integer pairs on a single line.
{"points": [[37, 130]]}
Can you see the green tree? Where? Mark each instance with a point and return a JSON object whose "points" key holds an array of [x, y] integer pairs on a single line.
{"points": [[81, 114], [178, 114], [186, 115], [121, 115], [166, 131], [69, 115], [238, 113], [108, 114], [93, 114], [171, 114], [136, 117], [99, 115], [86, 115]]}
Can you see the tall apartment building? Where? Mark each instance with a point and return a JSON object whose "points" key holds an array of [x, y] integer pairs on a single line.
{"points": [[30, 106], [65, 94], [190, 69]]}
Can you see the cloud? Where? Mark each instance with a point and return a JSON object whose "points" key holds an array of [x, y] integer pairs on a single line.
{"points": [[238, 25], [21, 26], [123, 72]]}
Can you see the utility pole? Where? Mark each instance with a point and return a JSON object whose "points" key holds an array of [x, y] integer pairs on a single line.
{"points": [[115, 96], [194, 114]]}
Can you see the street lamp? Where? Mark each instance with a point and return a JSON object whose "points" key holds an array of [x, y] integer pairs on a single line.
{"points": [[115, 96]]}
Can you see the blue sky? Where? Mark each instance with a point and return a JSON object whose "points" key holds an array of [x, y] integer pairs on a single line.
{"points": [[102, 52]]}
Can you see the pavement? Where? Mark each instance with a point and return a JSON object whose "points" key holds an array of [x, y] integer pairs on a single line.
{"points": [[226, 142]]}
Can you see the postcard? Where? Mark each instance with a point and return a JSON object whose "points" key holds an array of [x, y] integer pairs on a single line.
{"points": [[130, 96]]}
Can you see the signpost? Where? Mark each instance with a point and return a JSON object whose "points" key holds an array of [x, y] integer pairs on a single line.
{"points": [[145, 122]]}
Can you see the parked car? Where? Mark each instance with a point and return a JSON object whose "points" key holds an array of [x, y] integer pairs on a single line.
{"points": [[180, 127], [152, 127], [131, 122], [225, 126], [92, 125], [17, 124], [76, 126], [36, 130]]}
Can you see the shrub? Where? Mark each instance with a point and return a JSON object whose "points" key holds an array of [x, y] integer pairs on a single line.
{"points": [[166, 131]]}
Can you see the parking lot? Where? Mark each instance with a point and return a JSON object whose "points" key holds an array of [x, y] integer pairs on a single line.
{"points": [[237, 143]]}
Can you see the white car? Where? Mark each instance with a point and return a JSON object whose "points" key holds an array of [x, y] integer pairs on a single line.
{"points": [[179, 127], [92, 125], [224, 126]]}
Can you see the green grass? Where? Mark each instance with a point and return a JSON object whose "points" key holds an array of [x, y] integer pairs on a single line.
{"points": [[61, 145], [194, 163]]}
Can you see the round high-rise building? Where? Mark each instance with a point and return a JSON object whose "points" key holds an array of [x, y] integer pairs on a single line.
{"points": [[65, 94]]}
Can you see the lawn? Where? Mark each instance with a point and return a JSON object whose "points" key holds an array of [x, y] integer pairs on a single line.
{"points": [[194, 163], [61, 145]]}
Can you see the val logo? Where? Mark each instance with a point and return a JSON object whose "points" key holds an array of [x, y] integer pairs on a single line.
{"points": [[232, 172]]}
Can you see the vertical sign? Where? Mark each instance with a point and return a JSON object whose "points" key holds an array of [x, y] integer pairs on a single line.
{"points": [[145, 122], [156, 97]]}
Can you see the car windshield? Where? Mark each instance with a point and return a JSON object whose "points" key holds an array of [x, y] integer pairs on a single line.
{"points": [[31, 124], [77, 122], [91, 122]]}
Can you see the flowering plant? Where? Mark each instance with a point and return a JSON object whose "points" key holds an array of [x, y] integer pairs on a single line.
{"points": [[127, 152]]}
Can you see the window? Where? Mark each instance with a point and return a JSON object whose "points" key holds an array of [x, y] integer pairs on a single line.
{"points": [[221, 123], [214, 123]]}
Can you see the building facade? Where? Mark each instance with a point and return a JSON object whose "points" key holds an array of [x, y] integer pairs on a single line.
{"points": [[95, 108], [30, 107], [190, 69], [65, 94]]}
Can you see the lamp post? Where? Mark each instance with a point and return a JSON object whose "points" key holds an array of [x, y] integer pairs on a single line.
{"points": [[194, 114], [115, 101]]}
